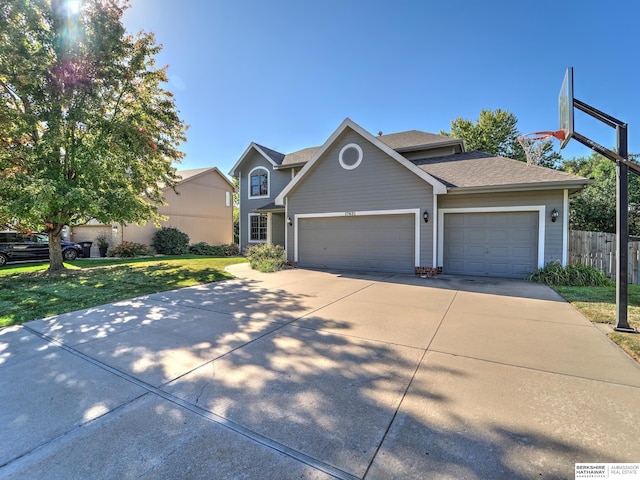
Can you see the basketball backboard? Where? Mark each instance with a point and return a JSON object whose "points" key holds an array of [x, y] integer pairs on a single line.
{"points": [[565, 107]]}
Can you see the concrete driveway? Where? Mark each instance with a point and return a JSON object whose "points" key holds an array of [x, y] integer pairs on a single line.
{"points": [[306, 374]]}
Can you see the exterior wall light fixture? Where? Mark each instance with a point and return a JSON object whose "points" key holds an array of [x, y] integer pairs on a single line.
{"points": [[554, 215], [425, 216], [289, 221]]}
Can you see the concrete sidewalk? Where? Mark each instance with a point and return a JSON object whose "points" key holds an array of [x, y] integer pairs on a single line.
{"points": [[307, 374]]}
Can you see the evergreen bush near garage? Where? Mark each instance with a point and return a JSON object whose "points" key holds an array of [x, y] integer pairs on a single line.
{"points": [[266, 258], [572, 276], [203, 248], [130, 250], [170, 241]]}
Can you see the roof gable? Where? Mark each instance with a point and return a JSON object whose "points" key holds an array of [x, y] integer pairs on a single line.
{"points": [[189, 175], [400, 142], [438, 187], [273, 157]]}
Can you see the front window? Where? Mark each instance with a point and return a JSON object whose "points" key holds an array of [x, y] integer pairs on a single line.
{"points": [[257, 228], [259, 183]]}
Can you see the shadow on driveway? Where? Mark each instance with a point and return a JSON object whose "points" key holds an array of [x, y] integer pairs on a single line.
{"points": [[300, 374]]}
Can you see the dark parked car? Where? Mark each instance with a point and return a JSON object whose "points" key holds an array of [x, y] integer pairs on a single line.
{"points": [[15, 246]]}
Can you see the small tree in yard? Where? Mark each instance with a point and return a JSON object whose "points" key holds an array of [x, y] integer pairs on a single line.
{"points": [[496, 132], [87, 131]]}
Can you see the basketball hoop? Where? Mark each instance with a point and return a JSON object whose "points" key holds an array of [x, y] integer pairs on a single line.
{"points": [[533, 144]]}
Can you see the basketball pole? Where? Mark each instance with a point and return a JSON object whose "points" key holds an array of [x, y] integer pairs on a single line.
{"points": [[622, 231], [622, 205]]}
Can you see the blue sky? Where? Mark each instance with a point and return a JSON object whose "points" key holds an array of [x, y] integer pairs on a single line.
{"points": [[285, 73]]}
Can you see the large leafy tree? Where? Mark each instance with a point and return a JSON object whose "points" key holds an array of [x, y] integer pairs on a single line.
{"points": [[496, 132], [86, 128], [595, 208]]}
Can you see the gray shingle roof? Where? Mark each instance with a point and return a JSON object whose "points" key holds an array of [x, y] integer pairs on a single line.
{"points": [[301, 156], [480, 169], [277, 157], [397, 141], [413, 139], [270, 207]]}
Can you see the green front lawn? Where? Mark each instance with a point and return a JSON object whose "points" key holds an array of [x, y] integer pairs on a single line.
{"points": [[29, 292], [598, 304]]}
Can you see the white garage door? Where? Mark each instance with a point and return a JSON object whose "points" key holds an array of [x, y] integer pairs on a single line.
{"points": [[496, 244], [383, 243]]}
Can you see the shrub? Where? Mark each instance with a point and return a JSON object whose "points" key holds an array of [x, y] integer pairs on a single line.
{"points": [[203, 248], [102, 239], [571, 276], [129, 250], [170, 241], [266, 258], [231, 250]]}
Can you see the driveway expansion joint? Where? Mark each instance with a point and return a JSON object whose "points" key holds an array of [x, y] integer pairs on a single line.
{"points": [[406, 390], [210, 416], [533, 369]]}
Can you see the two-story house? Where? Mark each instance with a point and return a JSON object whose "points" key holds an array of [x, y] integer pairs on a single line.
{"points": [[404, 200]]}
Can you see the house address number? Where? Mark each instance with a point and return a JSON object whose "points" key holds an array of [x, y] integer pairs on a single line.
{"points": [[350, 214]]}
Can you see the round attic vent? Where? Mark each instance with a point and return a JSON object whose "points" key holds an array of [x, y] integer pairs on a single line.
{"points": [[350, 156]]}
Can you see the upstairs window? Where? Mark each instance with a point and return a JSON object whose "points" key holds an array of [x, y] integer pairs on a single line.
{"points": [[258, 183]]}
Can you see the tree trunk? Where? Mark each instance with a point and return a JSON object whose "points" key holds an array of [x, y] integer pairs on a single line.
{"points": [[55, 249]]}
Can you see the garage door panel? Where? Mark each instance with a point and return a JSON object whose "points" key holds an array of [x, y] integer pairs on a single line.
{"points": [[474, 268], [521, 221], [374, 243], [475, 235], [498, 236], [524, 268], [523, 236], [499, 268], [456, 221], [475, 222], [495, 243], [523, 252], [473, 251], [497, 222]]}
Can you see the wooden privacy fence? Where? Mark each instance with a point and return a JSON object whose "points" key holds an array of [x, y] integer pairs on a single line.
{"points": [[598, 250]]}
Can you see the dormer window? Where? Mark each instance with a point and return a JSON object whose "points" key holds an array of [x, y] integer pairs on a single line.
{"points": [[259, 183]]}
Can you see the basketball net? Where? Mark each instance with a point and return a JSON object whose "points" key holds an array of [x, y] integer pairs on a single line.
{"points": [[534, 144]]}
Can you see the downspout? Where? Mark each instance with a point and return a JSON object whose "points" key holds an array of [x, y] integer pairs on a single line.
{"points": [[434, 238]]}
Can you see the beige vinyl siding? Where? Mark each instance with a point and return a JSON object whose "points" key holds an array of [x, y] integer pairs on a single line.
{"points": [[549, 199], [89, 232], [379, 183], [199, 209]]}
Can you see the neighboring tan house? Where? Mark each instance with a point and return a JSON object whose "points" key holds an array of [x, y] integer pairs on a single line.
{"points": [[405, 200], [203, 209]]}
